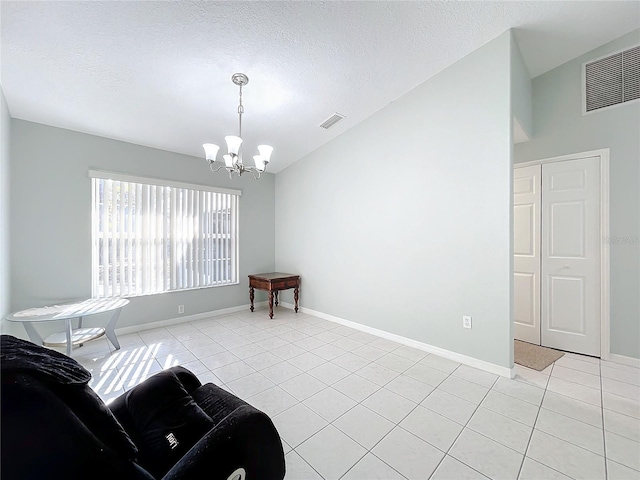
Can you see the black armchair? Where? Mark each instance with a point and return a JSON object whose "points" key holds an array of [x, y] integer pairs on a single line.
{"points": [[170, 426]]}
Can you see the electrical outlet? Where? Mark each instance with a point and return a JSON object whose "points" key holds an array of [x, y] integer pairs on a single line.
{"points": [[466, 321], [180, 308]]}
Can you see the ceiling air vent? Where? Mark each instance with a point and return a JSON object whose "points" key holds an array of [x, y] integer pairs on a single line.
{"points": [[331, 121], [612, 80]]}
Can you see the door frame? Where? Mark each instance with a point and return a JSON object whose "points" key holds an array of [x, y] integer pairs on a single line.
{"points": [[605, 265]]}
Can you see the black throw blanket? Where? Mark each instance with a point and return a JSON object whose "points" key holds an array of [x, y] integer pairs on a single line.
{"points": [[20, 356], [53, 424]]}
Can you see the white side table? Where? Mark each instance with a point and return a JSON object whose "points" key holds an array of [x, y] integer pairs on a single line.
{"points": [[68, 312]]}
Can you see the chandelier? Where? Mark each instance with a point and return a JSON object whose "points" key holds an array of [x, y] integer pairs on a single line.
{"points": [[233, 159]]}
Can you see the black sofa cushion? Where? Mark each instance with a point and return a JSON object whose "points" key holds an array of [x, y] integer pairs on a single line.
{"points": [[166, 420]]}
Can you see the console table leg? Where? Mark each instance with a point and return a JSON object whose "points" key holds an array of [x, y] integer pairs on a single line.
{"points": [[251, 297], [34, 336], [270, 304], [110, 329], [69, 335], [276, 298], [80, 326], [295, 297]]}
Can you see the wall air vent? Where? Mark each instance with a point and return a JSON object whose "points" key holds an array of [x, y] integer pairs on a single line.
{"points": [[612, 80], [331, 121]]}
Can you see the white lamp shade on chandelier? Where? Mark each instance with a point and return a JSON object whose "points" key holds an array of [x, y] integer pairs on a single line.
{"points": [[262, 160], [211, 151], [233, 159], [233, 144]]}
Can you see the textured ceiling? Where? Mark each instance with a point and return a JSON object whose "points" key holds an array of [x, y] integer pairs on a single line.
{"points": [[158, 73]]}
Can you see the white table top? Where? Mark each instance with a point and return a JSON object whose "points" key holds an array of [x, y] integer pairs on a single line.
{"points": [[68, 310]]}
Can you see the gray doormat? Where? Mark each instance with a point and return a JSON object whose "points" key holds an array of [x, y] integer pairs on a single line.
{"points": [[534, 356]]}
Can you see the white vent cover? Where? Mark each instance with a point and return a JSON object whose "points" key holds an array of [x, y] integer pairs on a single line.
{"points": [[612, 80], [331, 121]]}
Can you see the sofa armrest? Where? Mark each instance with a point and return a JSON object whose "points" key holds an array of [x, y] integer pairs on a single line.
{"points": [[216, 401], [246, 438]]}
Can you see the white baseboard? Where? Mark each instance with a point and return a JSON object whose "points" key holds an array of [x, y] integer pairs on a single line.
{"points": [[622, 360], [188, 318], [457, 357]]}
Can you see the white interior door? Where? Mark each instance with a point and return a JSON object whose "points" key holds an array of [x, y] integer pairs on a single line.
{"points": [[526, 253], [571, 255]]}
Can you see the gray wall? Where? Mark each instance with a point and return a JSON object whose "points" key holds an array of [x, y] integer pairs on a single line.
{"points": [[403, 223], [521, 90], [5, 140], [51, 219], [559, 128]]}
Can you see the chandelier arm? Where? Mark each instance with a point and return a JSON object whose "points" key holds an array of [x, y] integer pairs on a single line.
{"points": [[254, 171], [211, 164]]}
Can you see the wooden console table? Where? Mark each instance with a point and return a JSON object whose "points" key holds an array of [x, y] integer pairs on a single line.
{"points": [[273, 283]]}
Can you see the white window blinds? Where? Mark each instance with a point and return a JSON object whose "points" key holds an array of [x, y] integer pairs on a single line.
{"points": [[152, 238]]}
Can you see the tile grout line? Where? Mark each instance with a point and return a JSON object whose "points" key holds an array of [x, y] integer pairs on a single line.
{"points": [[148, 343], [403, 418], [374, 455], [270, 351], [559, 438], [562, 395], [415, 362], [571, 418], [604, 436], [461, 431], [325, 361], [347, 411], [282, 360], [304, 459], [575, 399], [397, 424], [578, 383], [621, 381], [451, 374], [533, 428], [600, 375]]}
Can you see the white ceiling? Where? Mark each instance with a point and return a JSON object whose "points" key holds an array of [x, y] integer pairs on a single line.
{"points": [[158, 73]]}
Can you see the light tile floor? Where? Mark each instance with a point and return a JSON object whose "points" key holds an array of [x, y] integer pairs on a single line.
{"points": [[349, 405]]}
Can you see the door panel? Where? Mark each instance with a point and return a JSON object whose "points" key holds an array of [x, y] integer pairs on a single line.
{"points": [[566, 235], [526, 253], [567, 304], [570, 312], [524, 309], [524, 229]]}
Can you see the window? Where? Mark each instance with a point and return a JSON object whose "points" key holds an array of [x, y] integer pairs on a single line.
{"points": [[153, 236]]}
